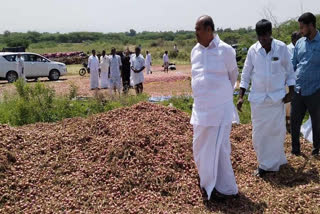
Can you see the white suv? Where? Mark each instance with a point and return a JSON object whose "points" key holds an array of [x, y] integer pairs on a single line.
{"points": [[35, 66]]}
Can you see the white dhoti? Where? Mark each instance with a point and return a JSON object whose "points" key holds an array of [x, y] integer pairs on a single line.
{"points": [[136, 78], [148, 68], [268, 133], [306, 130], [211, 151], [115, 82], [94, 78], [104, 80]]}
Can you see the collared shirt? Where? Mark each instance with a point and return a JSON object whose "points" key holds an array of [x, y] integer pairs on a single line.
{"points": [[104, 63], [165, 58], [115, 63], [93, 63], [306, 62], [268, 73], [137, 62], [214, 73], [290, 49]]}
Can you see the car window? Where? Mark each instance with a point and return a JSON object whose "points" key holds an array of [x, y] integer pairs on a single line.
{"points": [[36, 58], [10, 58], [25, 58]]}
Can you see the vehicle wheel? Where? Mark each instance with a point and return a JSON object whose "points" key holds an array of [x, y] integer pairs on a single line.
{"points": [[82, 72], [12, 76], [54, 75]]}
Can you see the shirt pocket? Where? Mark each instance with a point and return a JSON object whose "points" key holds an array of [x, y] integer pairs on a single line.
{"points": [[276, 67], [216, 63]]}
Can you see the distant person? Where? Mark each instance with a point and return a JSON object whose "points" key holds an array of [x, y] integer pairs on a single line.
{"points": [[268, 69], [175, 48], [137, 66], [306, 62], [20, 67], [126, 71], [115, 72], [104, 66], [166, 62], [148, 62], [295, 36], [94, 68], [213, 110]]}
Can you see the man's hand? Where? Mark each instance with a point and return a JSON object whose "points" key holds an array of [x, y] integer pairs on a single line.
{"points": [[288, 98], [289, 95], [239, 104]]}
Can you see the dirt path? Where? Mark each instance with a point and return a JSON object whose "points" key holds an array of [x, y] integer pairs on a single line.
{"points": [[157, 84]]}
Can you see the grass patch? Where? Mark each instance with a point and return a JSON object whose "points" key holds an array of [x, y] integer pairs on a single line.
{"points": [[39, 103]]}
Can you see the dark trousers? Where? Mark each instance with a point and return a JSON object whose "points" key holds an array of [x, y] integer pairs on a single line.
{"points": [[299, 106]]}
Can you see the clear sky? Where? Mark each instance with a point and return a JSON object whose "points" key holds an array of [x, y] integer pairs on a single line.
{"points": [[141, 15]]}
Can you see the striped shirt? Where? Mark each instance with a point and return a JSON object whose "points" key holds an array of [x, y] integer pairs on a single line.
{"points": [[306, 62]]}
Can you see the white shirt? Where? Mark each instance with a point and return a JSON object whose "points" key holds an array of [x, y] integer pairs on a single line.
{"points": [[268, 73], [20, 63], [104, 63], [115, 63], [290, 49], [137, 63], [93, 63], [214, 74], [165, 58], [148, 59]]}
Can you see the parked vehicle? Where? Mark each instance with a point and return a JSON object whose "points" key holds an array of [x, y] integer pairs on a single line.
{"points": [[84, 69], [35, 66]]}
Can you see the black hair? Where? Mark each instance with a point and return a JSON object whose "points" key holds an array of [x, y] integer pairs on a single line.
{"points": [[137, 48], [93, 50], [207, 21], [263, 27], [295, 35], [308, 18]]}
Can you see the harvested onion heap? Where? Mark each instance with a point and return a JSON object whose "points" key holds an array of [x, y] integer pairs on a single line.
{"points": [[132, 160]]}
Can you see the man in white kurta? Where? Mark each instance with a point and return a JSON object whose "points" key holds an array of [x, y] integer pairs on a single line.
{"points": [[148, 62], [104, 66], [269, 69], [20, 67], [165, 61], [137, 66], [115, 72], [93, 65], [214, 73]]}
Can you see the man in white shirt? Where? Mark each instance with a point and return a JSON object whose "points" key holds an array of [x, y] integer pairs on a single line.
{"points": [[269, 69], [137, 66], [148, 62], [214, 74], [295, 36], [20, 67], [104, 66], [94, 67], [115, 72], [165, 61]]}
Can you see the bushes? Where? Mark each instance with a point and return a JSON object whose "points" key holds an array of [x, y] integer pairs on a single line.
{"points": [[38, 103]]}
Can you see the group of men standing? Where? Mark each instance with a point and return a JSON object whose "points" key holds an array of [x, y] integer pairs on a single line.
{"points": [[268, 68], [116, 72]]}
